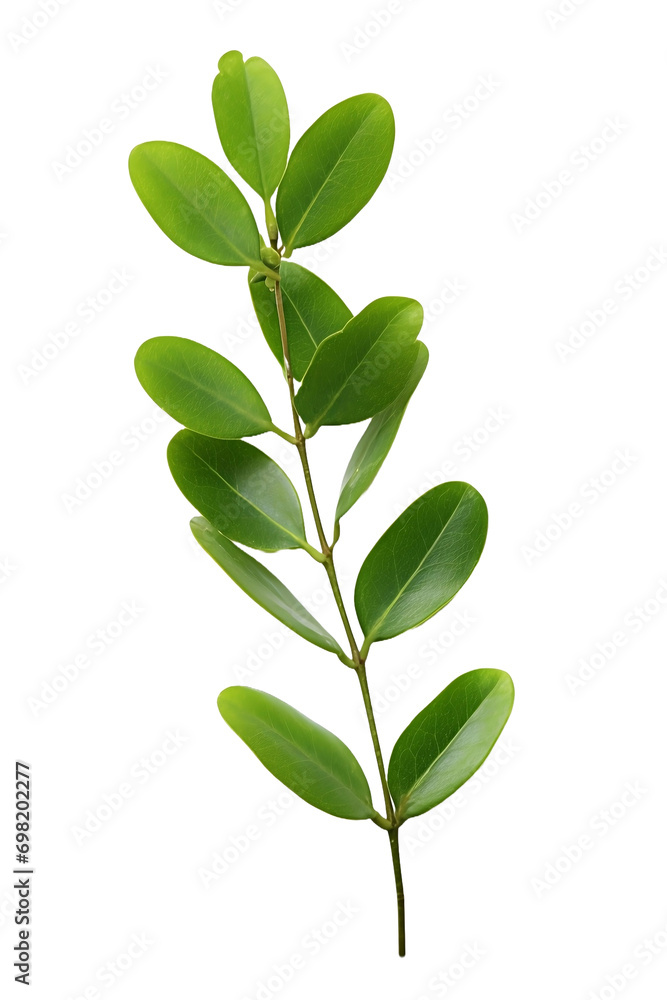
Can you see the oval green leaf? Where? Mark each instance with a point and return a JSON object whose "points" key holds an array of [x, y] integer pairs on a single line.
{"points": [[200, 388], [195, 203], [239, 489], [421, 561], [376, 441], [449, 740], [307, 758], [359, 371], [252, 119], [334, 170], [260, 584], [313, 311]]}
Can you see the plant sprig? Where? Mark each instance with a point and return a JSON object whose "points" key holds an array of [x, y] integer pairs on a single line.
{"points": [[339, 369]]}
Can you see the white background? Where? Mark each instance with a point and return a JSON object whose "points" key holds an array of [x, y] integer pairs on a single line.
{"points": [[449, 215]]}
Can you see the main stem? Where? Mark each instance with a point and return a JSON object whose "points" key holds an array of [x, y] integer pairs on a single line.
{"points": [[363, 681], [400, 898], [359, 662]]}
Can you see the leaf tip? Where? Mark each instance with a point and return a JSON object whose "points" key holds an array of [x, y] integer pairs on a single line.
{"points": [[226, 698], [228, 60]]}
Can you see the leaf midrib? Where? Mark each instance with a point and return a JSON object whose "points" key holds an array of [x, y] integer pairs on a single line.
{"points": [[407, 583], [374, 429], [292, 609], [252, 261], [316, 343], [216, 399], [336, 396], [258, 158], [312, 760], [245, 498], [358, 129], [300, 315], [422, 778]]}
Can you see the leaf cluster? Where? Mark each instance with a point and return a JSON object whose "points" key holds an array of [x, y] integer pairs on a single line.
{"points": [[341, 368]]}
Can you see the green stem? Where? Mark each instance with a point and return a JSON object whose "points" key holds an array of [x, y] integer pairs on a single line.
{"points": [[400, 898], [358, 659], [363, 681], [286, 359], [303, 455], [300, 443]]}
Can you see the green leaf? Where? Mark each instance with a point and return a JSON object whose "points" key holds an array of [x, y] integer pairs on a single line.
{"points": [[313, 311], [260, 584], [376, 441], [362, 369], [200, 388], [310, 760], [421, 561], [334, 169], [195, 203], [252, 119], [449, 740], [239, 489]]}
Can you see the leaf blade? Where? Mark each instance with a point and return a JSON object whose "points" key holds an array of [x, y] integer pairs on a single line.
{"points": [[334, 170], [421, 561], [449, 740], [376, 441], [202, 390], [313, 311], [307, 758], [252, 119], [359, 371], [241, 491], [261, 585], [195, 203]]}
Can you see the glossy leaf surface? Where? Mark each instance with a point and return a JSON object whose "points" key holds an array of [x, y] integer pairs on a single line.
{"points": [[376, 441], [200, 388], [239, 489], [307, 758], [358, 372], [334, 169], [195, 203], [313, 311], [421, 561], [252, 119], [260, 584], [449, 740]]}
